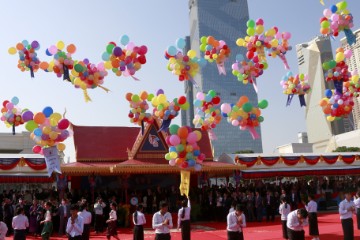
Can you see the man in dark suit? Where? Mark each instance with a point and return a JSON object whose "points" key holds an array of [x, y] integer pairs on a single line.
{"points": [[270, 204], [8, 214], [64, 213], [258, 206], [294, 199]]}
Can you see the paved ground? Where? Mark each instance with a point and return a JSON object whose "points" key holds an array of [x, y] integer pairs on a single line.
{"points": [[329, 227]]}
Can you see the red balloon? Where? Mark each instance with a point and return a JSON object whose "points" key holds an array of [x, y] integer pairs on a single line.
{"points": [[250, 54], [5, 102], [182, 100], [216, 100]]}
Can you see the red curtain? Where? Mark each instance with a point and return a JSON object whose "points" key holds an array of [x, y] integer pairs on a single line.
{"points": [[291, 161], [35, 165], [348, 159], [269, 161], [8, 164], [330, 159], [248, 161], [311, 160]]}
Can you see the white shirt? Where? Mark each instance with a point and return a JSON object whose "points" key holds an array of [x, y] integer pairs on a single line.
{"points": [[20, 222], [311, 207], [232, 209], [48, 216], [75, 229], [293, 221], [233, 224], [86, 216], [187, 213], [284, 212], [140, 218], [357, 202], [157, 221], [98, 208], [3, 230], [112, 215], [343, 209], [219, 202]]}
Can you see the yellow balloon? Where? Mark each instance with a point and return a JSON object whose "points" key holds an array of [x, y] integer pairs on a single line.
{"points": [[46, 129], [12, 51], [259, 29], [108, 65], [60, 45], [240, 42], [330, 118], [340, 56], [191, 53], [61, 147]]}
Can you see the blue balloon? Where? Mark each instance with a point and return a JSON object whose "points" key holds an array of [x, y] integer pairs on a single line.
{"points": [[105, 56], [47, 111], [197, 103], [25, 43], [333, 8], [124, 39], [197, 153], [202, 62], [336, 105], [328, 93], [37, 132], [209, 47], [181, 43], [239, 57], [15, 100], [48, 53], [172, 149], [224, 114], [172, 51], [191, 162]]}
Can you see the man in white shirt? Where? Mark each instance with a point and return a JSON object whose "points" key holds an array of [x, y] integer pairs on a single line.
{"points": [[311, 207], [235, 223], [162, 222], [184, 219], [346, 210], [3, 230], [296, 220], [99, 215], [75, 224], [357, 206], [20, 223], [86, 216]]}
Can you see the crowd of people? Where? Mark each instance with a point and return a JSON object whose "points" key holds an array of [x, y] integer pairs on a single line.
{"points": [[41, 213]]}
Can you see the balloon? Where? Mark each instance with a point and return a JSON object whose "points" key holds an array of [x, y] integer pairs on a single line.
{"points": [[39, 118], [36, 149], [47, 111], [63, 124], [263, 104]]}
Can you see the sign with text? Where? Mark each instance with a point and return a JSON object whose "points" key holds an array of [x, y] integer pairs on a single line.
{"points": [[185, 183], [52, 160]]}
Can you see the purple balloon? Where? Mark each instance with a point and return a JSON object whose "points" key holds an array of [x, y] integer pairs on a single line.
{"points": [[86, 61], [35, 44], [160, 91], [117, 51], [27, 116]]}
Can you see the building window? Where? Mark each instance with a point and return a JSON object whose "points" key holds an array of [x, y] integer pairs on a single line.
{"points": [[233, 94]]}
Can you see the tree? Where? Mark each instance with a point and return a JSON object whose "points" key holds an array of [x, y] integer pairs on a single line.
{"points": [[243, 151], [347, 149]]}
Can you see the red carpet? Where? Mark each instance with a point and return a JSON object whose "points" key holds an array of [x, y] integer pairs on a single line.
{"points": [[329, 227]]}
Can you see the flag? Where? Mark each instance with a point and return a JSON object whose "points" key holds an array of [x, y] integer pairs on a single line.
{"points": [[185, 183], [52, 160]]}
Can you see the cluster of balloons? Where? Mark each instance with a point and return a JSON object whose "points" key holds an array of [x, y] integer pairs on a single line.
{"points": [[353, 86], [11, 113], [28, 59], [244, 115], [48, 129], [215, 51], [337, 70], [125, 59], [280, 46], [295, 85], [185, 66], [337, 19], [336, 105], [183, 148], [207, 113], [248, 71], [139, 105], [166, 110], [87, 75], [62, 61]]}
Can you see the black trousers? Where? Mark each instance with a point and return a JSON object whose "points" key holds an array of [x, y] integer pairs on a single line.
{"points": [[313, 224], [348, 228], [75, 238], [162, 236], [86, 232], [358, 217], [270, 213], [19, 234], [99, 223], [235, 235], [138, 232], [296, 235], [284, 229], [185, 230]]}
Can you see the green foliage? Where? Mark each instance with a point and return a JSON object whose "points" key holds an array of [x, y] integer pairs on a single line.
{"points": [[243, 151], [347, 149]]}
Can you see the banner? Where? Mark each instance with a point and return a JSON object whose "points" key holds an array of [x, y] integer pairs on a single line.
{"points": [[185, 183], [52, 160]]}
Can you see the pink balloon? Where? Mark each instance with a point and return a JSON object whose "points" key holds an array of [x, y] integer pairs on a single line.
{"points": [[225, 108], [327, 13], [260, 21], [174, 140], [36, 149], [63, 124], [191, 138]]}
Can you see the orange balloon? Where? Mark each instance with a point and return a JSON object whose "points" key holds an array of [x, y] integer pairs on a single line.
{"points": [[44, 65], [19, 46], [183, 132], [39, 118], [242, 100], [71, 48], [327, 109]]}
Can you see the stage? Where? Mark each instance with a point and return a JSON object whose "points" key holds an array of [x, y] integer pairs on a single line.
{"points": [[329, 227]]}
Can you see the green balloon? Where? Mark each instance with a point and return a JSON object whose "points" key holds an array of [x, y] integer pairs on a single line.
{"points": [[78, 68], [185, 106], [332, 64], [150, 97], [260, 118], [180, 148], [250, 31], [250, 23], [173, 129], [167, 156], [263, 104], [31, 125], [203, 47], [203, 40], [247, 107], [212, 93], [135, 98], [109, 48]]}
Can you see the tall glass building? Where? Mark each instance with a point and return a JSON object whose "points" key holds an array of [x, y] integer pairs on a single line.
{"points": [[224, 20]]}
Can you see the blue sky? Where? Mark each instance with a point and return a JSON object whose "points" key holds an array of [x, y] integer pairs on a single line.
{"points": [[90, 25]]}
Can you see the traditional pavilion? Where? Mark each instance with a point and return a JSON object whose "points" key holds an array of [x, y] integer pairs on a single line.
{"points": [[123, 157]]}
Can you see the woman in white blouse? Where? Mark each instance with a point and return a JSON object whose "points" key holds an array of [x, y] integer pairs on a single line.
{"points": [[184, 219], [112, 222], [284, 211], [48, 226], [139, 220]]}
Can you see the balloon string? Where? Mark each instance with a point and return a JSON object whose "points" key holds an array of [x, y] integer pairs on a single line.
{"points": [[31, 71], [86, 96], [221, 68], [104, 88], [284, 60]]}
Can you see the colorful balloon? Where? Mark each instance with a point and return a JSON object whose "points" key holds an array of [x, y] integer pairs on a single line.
{"points": [[295, 85]]}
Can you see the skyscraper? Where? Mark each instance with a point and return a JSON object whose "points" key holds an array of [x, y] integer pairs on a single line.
{"points": [[311, 56], [354, 64], [224, 20]]}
